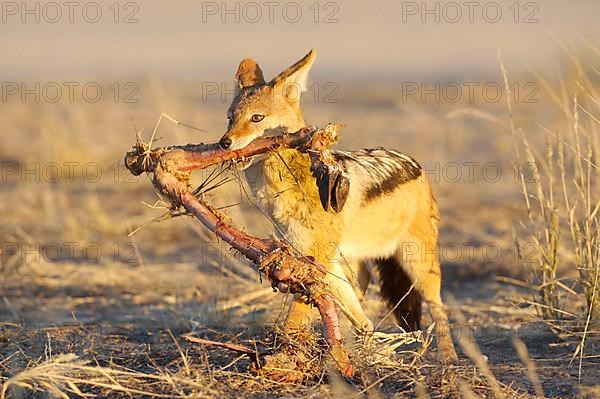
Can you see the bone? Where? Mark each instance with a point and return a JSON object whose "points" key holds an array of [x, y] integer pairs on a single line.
{"points": [[288, 272]]}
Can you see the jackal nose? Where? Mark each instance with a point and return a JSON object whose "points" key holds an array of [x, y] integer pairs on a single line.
{"points": [[225, 142]]}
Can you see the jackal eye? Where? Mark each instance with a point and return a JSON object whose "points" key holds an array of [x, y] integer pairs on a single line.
{"points": [[257, 118]]}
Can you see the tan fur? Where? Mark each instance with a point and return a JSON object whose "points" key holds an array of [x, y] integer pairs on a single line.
{"points": [[393, 224]]}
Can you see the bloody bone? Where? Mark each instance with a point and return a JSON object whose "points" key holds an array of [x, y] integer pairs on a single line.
{"points": [[332, 183], [171, 167]]}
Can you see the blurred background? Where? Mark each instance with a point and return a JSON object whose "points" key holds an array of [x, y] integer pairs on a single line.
{"points": [[78, 79], [383, 41]]}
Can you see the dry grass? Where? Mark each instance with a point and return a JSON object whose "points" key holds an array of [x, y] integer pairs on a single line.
{"points": [[169, 368], [113, 326], [562, 197]]}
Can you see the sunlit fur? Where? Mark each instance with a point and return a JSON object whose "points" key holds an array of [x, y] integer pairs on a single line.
{"points": [[390, 214]]}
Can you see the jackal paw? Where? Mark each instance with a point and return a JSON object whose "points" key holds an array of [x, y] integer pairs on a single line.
{"points": [[366, 326]]}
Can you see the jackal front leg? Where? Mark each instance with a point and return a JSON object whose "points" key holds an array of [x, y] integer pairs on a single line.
{"points": [[345, 294], [344, 290], [300, 317]]}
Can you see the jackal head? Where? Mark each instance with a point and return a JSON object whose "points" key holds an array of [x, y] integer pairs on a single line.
{"points": [[260, 108]]}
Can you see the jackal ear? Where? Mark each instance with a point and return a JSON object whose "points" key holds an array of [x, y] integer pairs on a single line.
{"points": [[249, 74], [292, 81]]}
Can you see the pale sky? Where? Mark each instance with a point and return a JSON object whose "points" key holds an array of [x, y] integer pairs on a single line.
{"points": [[354, 39]]}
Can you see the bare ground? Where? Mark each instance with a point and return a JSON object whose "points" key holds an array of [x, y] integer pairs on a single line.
{"points": [[111, 324]]}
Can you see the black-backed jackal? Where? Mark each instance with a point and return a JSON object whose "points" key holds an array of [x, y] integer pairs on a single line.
{"points": [[390, 218]]}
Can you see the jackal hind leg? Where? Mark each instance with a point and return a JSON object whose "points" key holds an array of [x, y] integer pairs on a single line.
{"points": [[418, 257]]}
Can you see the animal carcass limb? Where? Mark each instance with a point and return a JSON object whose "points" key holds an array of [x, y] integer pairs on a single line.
{"points": [[170, 168]]}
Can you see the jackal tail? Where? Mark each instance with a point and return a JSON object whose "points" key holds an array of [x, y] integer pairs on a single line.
{"points": [[398, 291]]}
